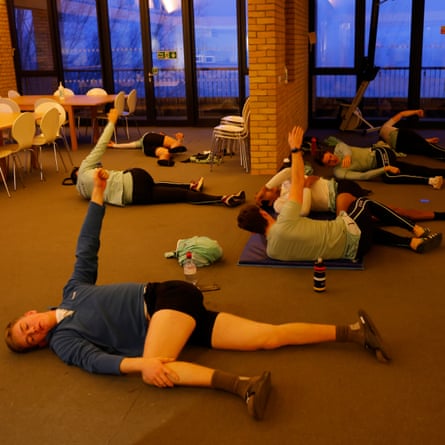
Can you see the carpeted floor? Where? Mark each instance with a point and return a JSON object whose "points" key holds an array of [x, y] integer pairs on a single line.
{"points": [[330, 393]]}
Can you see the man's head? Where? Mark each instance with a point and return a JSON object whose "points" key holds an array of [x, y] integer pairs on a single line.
{"points": [[28, 332], [267, 196], [253, 219], [325, 156]]}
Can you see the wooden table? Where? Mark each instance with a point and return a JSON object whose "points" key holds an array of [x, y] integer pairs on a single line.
{"points": [[26, 103]]}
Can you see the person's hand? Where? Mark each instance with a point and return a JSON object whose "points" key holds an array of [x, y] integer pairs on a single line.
{"points": [[392, 169], [346, 162], [259, 197], [111, 144], [113, 115], [100, 178], [155, 372], [420, 113], [309, 181], [295, 137]]}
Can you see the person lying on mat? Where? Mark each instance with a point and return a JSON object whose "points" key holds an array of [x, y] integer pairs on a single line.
{"points": [[126, 328], [136, 185], [367, 163], [408, 141], [320, 195], [292, 237], [157, 145]]}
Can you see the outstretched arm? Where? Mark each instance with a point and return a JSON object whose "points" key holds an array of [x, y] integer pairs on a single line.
{"points": [[406, 113], [95, 156], [295, 139], [100, 183]]}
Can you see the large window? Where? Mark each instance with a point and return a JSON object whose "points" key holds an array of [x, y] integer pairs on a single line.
{"points": [[344, 31], [81, 55]]}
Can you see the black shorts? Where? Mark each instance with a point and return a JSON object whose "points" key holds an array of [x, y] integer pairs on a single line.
{"points": [[186, 298], [151, 142], [142, 186]]}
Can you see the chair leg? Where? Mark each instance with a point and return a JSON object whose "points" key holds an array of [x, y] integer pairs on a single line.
{"points": [[16, 160], [4, 182]]}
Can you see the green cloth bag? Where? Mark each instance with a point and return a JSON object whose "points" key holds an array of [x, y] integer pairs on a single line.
{"points": [[205, 250]]}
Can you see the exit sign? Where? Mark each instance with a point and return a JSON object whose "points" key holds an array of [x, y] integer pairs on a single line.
{"points": [[165, 55]]}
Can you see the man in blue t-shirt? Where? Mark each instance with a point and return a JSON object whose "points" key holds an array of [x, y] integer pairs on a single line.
{"points": [[125, 328]]}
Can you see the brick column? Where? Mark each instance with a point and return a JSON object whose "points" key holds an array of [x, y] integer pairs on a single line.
{"points": [[278, 73], [7, 71]]}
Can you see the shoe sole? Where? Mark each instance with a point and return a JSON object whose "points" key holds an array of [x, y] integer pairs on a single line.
{"points": [[431, 242], [381, 350], [257, 401]]}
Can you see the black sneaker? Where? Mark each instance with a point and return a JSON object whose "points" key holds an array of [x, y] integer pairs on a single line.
{"points": [[235, 199], [257, 395], [373, 340]]}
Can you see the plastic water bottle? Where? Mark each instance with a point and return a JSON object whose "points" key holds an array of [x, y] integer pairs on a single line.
{"points": [[190, 271], [61, 91], [319, 276], [313, 146]]}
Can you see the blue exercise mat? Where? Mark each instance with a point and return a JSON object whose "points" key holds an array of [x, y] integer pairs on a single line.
{"points": [[254, 254]]}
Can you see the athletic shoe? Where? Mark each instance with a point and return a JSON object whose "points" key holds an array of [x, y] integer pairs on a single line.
{"points": [[234, 200], [257, 395], [373, 340], [197, 186], [429, 242]]}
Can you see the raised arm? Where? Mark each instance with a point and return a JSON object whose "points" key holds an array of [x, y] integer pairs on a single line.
{"points": [[406, 113], [295, 139]]}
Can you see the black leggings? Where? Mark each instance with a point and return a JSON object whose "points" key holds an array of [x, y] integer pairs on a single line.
{"points": [[186, 298], [410, 142], [369, 214], [146, 191], [409, 173]]}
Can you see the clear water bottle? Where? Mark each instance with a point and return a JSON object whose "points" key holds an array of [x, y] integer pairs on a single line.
{"points": [[319, 276], [190, 270], [61, 91]]}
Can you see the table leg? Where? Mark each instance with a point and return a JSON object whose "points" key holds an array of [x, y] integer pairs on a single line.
{"points": [[94, 124], [72, 124]]}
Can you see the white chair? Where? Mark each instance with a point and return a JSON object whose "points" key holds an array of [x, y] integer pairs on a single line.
{"points": [[5, 153], [41, 106], [235, 119], [82, 114], [8, 106], [49, 127], [13, 93], [129, 112], [119, 104], [227, 137], [23, 131]]}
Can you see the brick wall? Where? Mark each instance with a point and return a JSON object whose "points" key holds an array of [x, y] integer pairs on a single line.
{"points": [[278, 41], [7, 71]]}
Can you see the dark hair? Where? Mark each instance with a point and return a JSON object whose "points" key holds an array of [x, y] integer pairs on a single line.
{"points": [[9, 340], [319, 154], [72, 180], [250, 219]]}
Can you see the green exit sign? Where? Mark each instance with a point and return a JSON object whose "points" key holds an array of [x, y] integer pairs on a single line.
{"points": [[165, 55]]}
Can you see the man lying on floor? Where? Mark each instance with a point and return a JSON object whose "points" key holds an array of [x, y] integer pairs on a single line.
{"points": [[292, 237], [320, 196], [126, 328]]}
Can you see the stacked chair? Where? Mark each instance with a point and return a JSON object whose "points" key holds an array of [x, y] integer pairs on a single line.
{"points": [[232, 133]]}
